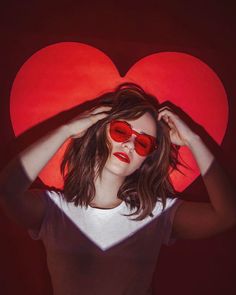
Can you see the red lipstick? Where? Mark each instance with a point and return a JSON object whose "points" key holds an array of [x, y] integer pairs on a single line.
{"points": [[123, 157]]}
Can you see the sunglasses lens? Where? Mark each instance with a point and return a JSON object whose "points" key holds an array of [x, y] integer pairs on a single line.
{"points": [[120, 131], [143, 145]]}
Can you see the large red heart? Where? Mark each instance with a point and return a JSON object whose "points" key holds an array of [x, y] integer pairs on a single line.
{"points": [[63, 75]]}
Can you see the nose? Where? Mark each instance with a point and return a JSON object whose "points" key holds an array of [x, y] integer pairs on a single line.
{"points": [[129, 144]]}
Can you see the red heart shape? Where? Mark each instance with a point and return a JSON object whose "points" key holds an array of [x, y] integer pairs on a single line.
{"points": [[63, 75]]}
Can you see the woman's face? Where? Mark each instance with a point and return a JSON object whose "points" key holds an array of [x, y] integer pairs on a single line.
{"points": [[124, 159]]}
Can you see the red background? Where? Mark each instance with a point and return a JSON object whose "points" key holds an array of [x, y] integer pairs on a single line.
{"points": [[126, 32]]}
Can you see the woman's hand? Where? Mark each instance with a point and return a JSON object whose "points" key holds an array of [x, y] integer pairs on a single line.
{"points": [[78, 126], [180, 133], [197, 220]]}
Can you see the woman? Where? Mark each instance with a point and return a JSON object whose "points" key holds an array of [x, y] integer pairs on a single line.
{"points": [[103, 232]]}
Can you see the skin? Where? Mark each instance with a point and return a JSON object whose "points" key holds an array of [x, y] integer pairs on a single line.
{"points": [[115, 171], [196, 220], [193, 220]]}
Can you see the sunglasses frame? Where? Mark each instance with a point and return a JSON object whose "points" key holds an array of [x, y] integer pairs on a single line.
{"points": [[153, 139]]}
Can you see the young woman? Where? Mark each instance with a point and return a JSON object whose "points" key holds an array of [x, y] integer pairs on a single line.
{"points": [[103, 232]]}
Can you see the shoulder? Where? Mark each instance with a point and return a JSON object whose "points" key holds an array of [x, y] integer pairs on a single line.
{"points": [[50, 196], [170, 207], [55, 195]]}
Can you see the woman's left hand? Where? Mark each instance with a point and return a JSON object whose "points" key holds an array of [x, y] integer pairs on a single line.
{"points": [[180, 133]]}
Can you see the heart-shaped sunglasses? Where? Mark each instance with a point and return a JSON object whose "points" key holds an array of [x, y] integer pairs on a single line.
{"points": [[121, 131]]}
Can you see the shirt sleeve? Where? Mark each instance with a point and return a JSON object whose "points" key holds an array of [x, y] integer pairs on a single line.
{"points": [[37, 234], [169, 213]]}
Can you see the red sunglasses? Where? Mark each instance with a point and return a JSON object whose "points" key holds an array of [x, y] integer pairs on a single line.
{"points": [[121, 131]]}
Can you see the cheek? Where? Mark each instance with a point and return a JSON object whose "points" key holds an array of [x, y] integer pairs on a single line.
{"points": [[139, 161], [110, 140], [109, 137], [114, 144]]}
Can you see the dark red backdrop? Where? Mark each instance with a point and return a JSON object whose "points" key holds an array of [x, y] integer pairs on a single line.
{"points": [[126, 32]]}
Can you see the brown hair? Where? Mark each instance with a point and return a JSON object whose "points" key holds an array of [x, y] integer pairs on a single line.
{"points": [[144, 187]]}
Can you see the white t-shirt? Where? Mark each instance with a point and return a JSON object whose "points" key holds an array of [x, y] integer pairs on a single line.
{"points": [[100, 251]]}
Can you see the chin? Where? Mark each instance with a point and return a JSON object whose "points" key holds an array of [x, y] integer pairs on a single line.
{"points": [[117, 170]]}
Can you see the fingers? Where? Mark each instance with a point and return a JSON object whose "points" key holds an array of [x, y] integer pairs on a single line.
{"points": [[99, 114], [96, 110], [101, 109], [81, 123], [96, 117], [166, 114]]}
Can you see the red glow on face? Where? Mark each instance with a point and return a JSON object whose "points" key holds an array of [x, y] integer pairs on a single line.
{"points": [[121, 131], [63, 75]]}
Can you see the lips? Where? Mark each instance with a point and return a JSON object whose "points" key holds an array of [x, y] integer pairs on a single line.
{"points": [[122, 157]]}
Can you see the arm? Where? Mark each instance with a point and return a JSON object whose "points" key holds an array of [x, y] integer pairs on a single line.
{"points": [[17, 201], [195, 220]]}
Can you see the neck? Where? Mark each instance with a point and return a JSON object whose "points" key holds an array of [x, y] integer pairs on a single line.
{"points": [[107, 186]]}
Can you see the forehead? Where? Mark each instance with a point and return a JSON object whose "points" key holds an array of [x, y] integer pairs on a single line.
{"points": [[144, 124]]}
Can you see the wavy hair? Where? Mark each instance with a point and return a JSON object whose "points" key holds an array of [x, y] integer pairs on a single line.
{"points": [[144, 187]]}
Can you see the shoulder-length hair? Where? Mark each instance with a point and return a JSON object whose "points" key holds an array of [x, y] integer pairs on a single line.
{"points": [[141, 190]]}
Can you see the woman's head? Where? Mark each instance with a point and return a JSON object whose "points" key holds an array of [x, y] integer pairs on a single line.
{"points": [[131, 141], [146, 178]]}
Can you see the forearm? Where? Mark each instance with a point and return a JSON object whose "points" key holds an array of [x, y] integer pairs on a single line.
{"points": [[24, 169], [35, 157], [220, 190]]}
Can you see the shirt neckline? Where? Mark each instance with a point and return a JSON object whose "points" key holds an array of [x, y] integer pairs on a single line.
{"points": [[106, 210]]}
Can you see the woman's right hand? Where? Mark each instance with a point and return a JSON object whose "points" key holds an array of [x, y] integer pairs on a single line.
{"points": [[19, 174], [78, 126]]}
